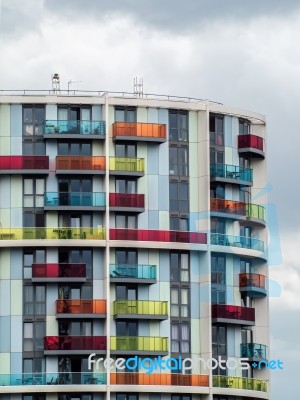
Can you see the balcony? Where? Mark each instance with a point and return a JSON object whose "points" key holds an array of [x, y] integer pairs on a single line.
{"points": [[76, 200], [237, 315], [54, 129], [235, 382], [52, 233], [80, 309], [139, 345], [138, 378], [127, 202], [131, 273], [251, 146], [157, 236], [80, 165], [126, 166], [58, 272], [254, 351], [253, 284], [136, 131], [231, 174], [53, 378], [234, 209], [24, 164], [68, 345], [220, 239], [140, 309]]}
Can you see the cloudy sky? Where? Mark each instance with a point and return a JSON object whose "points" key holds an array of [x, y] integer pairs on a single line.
{"points": [[241, 53]]}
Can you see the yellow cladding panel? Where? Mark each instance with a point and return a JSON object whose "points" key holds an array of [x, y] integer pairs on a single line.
{"points": [[16, 294], [5, 264], [4, 363]]}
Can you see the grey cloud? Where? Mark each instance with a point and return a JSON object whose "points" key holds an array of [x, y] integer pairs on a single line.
{"points": [[174, 14]]}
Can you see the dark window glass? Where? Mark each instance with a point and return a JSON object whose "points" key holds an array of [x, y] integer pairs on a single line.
{"points": [[125, 114], [126, 150], [218, 269]]}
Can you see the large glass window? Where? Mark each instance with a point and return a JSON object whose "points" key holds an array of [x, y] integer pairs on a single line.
{"points": [[178, 125], [33, 333], [125, 114], [126, 221], [180, 302], [33, 120], [126, 256], [74, 149], [179, 196], [244, 127], [217, 191], [179, 267], [178, 160], [218, 269], [180, 337], [126, 186], [32, 257], [126, 150], [219, 340], [216, 129], [34, 189], [34, 300]]}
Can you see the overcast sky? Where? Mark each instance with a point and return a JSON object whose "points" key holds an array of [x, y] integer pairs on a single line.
{"points": [[240, 53]]}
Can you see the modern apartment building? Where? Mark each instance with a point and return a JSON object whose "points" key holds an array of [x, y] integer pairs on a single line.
{"points": [[131, 227]]}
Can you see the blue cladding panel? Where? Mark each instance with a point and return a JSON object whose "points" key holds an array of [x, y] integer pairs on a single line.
{"points": [[164, 267], [153, 115], [152, 193], [5, 335], [4, 297], [152, 160], [16, 121], [5, 188], [16, 216], [16, 264], [228, 131], [163, 193], [17, 337], [97, 113], [230, 341], [16, 362], [98, 265], [195, 300], [153, 218]]}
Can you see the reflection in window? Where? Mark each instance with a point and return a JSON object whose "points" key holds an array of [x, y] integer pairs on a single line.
{"points": [[178, 125]]}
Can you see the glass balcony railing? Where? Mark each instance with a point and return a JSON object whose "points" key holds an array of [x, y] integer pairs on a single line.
{"points": [[81, 306], [80, 163], [139, 343], [220, 239], [251, 141], [235, 382], [53, 378], [158, 235], [238, 208], [59, 270], [255, 280], [75, 343], [126, 164], [138, 378], [138, 271], [140, 307], [227, 171], [24, 162], [139, 130], [238, 313], [254, 350], [126, 200], [80, 199], [52, 233], [54, 127]]}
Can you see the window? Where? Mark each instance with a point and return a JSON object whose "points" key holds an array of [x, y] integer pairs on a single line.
{"points": [[246, 266], [34, 190], [217, 225], [244, 162], [179, 223], [245, 194], [179, 267], [216, 129], [126, 292], [218, 270], [126, 328], [179, 196], [75, 396], [34, 300], [75, 220], [126, 186], [33, 129], [126, 150], [126, 221], [180, 397], [244, 127], [33, 120], [74, 149], [32, 257], [126, 257], [217, 191], [216, 156], [33, 365], [178, 160], [84, 292], [33, 333], [178, 125], [125, 114], [74, 113], [180, 301], [34, 397], [219, 340], [245, 236], [218, 294], [127, 396], [75, 328], [180, 338]]}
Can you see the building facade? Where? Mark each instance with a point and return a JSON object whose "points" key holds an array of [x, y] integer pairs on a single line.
{"points": [[133, 228]]}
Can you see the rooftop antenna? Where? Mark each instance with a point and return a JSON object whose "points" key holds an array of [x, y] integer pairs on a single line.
{"points": [[138, 87], [55, 83], [71, 83]]}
